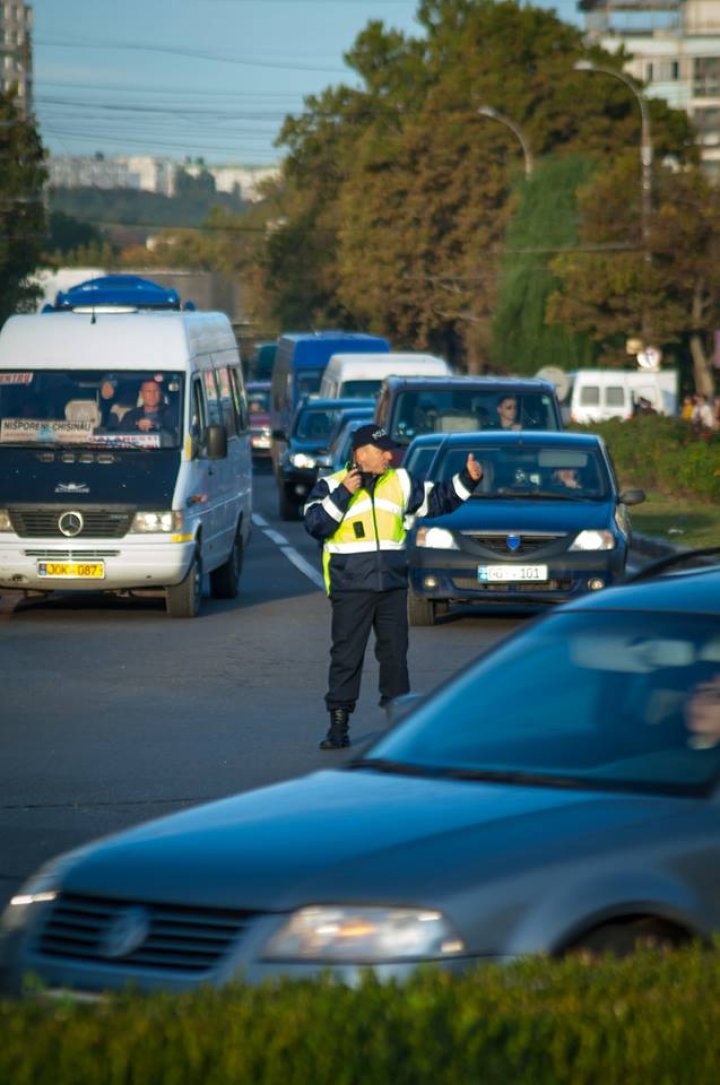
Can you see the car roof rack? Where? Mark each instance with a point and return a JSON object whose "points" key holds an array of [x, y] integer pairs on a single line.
{"points": [[660, 566]]}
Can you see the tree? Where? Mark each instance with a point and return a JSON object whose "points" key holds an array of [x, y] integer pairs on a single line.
{"points": [[672, 286], [398, 194], [22, 213]]}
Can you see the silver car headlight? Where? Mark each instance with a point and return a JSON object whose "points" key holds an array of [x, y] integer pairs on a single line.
{"points": [[436, 538], [156, 523], [39, 889], [594, 540], [363, 935], [301, 459]]}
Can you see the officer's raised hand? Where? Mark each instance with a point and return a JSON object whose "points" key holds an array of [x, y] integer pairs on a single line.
{"points": [[474, 469]]}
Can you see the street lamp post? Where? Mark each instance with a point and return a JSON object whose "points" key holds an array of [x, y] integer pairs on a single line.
{"points": [[488, 111], [646, 147]]}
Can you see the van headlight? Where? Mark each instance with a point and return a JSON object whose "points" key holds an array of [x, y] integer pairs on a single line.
{"points": [[594, 540], [436, 538], [156, 523], [363, 935], [5, 524]]}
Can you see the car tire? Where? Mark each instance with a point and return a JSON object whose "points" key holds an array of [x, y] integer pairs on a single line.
{"points": [[624, 938], [420, 611], [225, 580], [183, 600], [287, 509]]}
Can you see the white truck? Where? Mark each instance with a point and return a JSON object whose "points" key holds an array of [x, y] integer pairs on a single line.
{"points": [[597, 395]]}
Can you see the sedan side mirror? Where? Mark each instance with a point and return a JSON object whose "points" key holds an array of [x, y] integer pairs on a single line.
{"points": [[631, 497]]}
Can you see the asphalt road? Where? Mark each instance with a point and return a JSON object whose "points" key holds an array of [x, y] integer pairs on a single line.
{"points": [[111, 713]]}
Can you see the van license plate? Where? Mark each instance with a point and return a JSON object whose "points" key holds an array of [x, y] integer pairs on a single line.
{"points": [[72, 570], [490, 574]]}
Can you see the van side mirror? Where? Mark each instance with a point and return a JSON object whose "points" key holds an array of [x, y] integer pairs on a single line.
{"points": [[217, 445], [631, 497]]}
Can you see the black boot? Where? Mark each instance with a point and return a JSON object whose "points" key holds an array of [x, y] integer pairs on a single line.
{"points": [[337, 737]]}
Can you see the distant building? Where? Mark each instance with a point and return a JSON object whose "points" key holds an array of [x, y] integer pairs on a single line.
{"points": [[16, 52], [149, 174], [675, 46]]}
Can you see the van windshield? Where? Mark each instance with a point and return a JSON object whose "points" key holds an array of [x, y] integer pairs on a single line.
{"points": [[466, 410], [139, 408], [360, 388]]}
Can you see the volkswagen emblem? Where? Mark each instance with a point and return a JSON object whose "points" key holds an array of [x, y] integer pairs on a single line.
{"points": [[126, 933], [71, 523], [513, 542]]}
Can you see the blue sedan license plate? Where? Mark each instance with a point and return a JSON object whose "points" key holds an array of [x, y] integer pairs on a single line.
{"points": [[492, 574]]}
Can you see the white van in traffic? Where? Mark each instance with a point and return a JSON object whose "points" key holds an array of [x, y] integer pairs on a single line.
{"points": [[597, 395], [362, 374], [125, 460]]}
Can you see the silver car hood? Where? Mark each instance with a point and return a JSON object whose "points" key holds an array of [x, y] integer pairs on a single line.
{"points": [[354, 836]]}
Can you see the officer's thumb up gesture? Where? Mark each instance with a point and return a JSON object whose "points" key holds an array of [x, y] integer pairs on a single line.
{"points": [[474, 468]]}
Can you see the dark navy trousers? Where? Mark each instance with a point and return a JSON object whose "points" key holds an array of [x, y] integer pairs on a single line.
{"points": [[354, 614]]}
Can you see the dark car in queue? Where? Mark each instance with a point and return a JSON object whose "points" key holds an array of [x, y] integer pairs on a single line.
{"points": [[408, 407], [548, 521], [561, 793], [258, 397], [420, 454], [308, 439]]}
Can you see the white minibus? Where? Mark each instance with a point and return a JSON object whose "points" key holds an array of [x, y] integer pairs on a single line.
{"points": [[362, 374], [125, 460]]}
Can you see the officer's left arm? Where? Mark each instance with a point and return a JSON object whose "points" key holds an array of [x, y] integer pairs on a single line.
{"points": [[430, 499]]}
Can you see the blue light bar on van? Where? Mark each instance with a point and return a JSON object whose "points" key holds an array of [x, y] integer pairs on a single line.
{"points": [[116, 293]]}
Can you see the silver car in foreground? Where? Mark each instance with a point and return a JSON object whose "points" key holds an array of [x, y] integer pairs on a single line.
{"points": [[561, 792]]}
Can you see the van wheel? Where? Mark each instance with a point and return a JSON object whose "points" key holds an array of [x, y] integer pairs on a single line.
{"points": [[225, 580], [420, 611], [183, 600], [287, 509]]}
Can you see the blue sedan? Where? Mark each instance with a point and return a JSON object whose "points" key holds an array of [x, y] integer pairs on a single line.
{"points": [[548, 522]]}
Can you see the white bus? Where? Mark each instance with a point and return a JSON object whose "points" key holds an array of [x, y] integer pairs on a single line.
{"points": [[125, 460]]}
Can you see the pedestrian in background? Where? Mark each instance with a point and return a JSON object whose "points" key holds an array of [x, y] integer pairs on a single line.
{"points": [[359, 515]]}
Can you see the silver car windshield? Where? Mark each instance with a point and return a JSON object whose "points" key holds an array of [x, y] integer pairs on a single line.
{"points": [[139, 408], [609, 700]]}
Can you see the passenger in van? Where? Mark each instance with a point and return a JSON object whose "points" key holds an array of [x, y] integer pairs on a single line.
{"points": [[507, 409], [152, 415]]}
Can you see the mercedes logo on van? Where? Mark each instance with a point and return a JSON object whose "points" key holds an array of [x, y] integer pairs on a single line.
{"points": [[71, 523], [126, 933]]}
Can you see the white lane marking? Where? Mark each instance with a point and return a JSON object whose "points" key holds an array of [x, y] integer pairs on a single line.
{"points": [[289, 551]]}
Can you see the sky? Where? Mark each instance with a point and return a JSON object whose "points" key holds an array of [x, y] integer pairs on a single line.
{"points": [[211, 79]]}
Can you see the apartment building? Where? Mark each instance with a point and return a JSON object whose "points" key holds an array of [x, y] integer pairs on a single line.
{"points": [[675, 47], [16, 52]]}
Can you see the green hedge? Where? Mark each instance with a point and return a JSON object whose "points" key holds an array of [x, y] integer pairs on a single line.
{"points": [[647, 1019], [662, 454]]}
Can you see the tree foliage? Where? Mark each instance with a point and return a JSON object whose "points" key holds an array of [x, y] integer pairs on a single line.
{"points": [[398, 193], [22, 213]]}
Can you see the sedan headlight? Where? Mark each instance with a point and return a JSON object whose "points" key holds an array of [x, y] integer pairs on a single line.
{"points": [[5, 524], [363, 935], [39, 889], [436, 538], [301, 459], [594, 540], [156, 522]]}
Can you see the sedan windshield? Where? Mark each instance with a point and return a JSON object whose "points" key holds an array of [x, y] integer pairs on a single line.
{"points": [[530, 470], [138, 408], [603, 700]]}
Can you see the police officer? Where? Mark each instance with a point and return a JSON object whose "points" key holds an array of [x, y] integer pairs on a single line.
{"points": [[359, 516]]}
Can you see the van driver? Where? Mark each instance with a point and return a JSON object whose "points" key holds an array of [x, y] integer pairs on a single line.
{"points": [[152, 415]]}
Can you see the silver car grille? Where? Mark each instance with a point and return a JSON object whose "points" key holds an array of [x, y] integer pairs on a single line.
{"points": [[147, 936]]}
